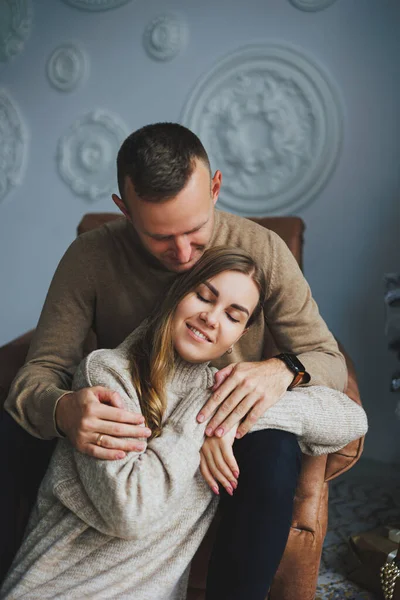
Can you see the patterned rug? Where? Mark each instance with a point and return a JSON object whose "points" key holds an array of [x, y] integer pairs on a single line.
{"points": [[366, 497]]}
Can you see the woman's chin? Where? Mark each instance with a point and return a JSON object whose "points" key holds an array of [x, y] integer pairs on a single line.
{"points": [[192, 355], [192, 358]]}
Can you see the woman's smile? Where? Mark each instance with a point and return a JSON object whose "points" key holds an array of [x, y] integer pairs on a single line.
{"points": [[198, 335]]}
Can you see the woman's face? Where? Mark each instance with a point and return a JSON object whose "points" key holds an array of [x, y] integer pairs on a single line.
{"points": [[208, 321]]}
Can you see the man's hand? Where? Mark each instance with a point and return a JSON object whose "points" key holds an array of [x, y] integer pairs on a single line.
{"points": [[247, 388], [83, 415], [218, 463]]}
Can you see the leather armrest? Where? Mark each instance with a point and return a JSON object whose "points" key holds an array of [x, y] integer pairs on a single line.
{"points": [[12, 357], [344, 459], [317, 470]]}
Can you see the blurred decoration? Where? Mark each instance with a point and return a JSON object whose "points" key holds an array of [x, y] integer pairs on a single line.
{"points": [[271, 120], [86, 153], [312, 5], [16, 18], [13, 147], [96, 5], [66, 67], [392, 322], [164, 37]]}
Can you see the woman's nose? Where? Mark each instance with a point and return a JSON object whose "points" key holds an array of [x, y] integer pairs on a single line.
{"points": [[209, 317]]}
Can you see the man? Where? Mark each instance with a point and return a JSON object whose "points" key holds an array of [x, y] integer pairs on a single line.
{"points": [[110, 279]]}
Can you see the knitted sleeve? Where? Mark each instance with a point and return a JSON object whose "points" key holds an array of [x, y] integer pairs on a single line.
{"points": [[323, 419], [128, 498]]}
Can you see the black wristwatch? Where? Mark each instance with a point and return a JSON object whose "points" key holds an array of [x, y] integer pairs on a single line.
{"points": [[298, 369]]}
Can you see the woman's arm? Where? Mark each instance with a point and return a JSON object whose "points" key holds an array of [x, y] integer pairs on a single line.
{"points": [[323, 419], [127, 498]]}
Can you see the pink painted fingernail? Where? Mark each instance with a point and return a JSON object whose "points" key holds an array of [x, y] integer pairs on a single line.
{"points": [[229, 490], [234, 484], [215, 490], [200, 418], [220, 431], [236, 474], [209, 431], [238, 435]]}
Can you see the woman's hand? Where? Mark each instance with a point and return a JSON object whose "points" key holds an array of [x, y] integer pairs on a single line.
{"points": [[218, 463]]}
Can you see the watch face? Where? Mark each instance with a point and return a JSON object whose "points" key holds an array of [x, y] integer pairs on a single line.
{"points": [[292, 362], [297, 366]]}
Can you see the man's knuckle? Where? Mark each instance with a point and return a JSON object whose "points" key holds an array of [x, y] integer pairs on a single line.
{"points": [[86, 424], [116, 430], [89, 410], [253, 417]]}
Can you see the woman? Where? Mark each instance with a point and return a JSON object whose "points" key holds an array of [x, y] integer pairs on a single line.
{"points": [[129, 528]]}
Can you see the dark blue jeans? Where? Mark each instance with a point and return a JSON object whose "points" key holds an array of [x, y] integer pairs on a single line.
{"points": [[23, 463], [255, 521]]}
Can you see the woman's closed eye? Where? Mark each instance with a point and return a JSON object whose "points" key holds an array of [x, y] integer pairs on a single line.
{"points": [[200, 297], [231, 318]]}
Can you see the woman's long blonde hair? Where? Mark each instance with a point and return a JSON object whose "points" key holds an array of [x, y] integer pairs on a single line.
{"points": [[152, 356]]}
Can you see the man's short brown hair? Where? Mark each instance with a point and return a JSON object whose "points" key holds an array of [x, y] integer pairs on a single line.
{"points": [[159, 160]]}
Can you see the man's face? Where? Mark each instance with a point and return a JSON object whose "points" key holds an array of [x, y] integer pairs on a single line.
{"points": [[176, 231]]}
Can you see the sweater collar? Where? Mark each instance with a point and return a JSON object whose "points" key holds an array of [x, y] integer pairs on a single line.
{"points": [[189, 375]]}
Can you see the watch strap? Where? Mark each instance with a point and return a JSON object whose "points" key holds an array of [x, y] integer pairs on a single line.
{"points": [[300, 374]]}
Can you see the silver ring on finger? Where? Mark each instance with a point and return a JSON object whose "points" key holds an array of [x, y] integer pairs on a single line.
{"points": [[99, 438]]}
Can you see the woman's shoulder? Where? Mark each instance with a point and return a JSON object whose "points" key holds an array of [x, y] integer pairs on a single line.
{"points": [[105, 367]]}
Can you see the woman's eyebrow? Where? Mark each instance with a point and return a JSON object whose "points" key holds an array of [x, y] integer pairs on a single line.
{"points": [[216, 293]]}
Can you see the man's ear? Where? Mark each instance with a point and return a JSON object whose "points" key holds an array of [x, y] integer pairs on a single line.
{"points": [[121, 205], [216, 183]]}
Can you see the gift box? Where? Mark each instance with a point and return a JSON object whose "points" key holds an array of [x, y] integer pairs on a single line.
{"points": [[368, 552]]}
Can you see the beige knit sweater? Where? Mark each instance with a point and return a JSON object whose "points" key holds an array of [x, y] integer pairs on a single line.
{"points": [[108, 282], [128, 529]]}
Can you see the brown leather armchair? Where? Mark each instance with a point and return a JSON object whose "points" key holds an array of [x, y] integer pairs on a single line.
{"points": [[297, 575]]}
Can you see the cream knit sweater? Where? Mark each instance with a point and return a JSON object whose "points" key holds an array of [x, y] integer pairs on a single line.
{"points": [[128, 529]]}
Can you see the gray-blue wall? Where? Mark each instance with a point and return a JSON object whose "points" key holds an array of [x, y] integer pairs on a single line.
{"points": [[353, 226]]}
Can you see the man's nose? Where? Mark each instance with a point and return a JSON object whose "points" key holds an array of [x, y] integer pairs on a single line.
{"points": [[183, 249]]}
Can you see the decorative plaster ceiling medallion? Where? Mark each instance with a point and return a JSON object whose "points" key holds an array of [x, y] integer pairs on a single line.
{"points": [[13, 145], [86, 154], [312, 5], [96, 4], [165, 37], [271, 121], [15, 26], [66, 67]]}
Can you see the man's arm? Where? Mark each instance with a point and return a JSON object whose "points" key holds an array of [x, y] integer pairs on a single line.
{"points": [[57, 345], [41, 393], [296, 325]]}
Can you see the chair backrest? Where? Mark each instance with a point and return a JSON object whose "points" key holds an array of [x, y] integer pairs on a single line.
{"points": [[290, 229]]}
